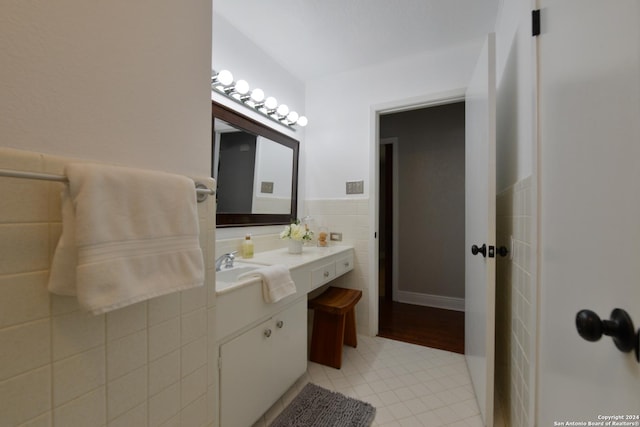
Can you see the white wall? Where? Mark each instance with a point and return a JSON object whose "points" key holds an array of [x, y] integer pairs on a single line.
{"points": [[516, 93], [233, 51], [516, 298], [120, 82], [339, 139]]}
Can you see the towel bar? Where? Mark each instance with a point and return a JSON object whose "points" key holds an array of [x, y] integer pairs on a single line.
{"points": [[202, 190]]}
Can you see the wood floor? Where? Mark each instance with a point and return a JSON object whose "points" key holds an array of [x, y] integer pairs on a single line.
{"points": [[428, 326]]}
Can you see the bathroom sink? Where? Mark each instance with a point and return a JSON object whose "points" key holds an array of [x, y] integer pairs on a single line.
{"points": [[228, 277]]}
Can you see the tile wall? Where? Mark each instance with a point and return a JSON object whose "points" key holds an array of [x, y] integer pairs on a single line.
{"points": [[347, 216], [516, 304], [351, 218], [149, 364]]}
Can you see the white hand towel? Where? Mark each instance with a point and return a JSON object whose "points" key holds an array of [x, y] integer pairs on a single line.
{"points": [[276, 282], [127, 235]]}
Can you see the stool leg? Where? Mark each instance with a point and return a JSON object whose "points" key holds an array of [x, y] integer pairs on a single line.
{"points": [[350, 336], [327, 338]]}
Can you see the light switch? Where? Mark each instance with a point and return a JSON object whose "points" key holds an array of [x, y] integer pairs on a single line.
{"points": [[355, 187]]}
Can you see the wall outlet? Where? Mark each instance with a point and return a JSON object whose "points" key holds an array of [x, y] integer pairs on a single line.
{"points": [[355, 187], [266, 187], [336, 237]]}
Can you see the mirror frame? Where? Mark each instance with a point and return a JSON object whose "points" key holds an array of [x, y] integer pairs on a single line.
{"points": [[247, 124]]}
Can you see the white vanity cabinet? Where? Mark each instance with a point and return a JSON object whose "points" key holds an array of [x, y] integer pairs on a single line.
{"points": [[262, 348], [328, 270], [258, 366]]}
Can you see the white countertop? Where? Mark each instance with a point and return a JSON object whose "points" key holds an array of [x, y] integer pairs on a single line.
{"points": [[280, 256]]}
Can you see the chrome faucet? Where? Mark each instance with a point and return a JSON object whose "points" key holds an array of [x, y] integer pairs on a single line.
{"points": [[227, 259]]}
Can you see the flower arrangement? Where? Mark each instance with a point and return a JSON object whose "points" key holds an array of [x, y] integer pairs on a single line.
{"points": [[296, 231]]}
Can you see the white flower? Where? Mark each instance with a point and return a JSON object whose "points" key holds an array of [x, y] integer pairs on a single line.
{"points": [[296, 232]]}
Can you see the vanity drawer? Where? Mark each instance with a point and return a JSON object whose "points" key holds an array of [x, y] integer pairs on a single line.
{"points": [[323, 274], [344, 264]]}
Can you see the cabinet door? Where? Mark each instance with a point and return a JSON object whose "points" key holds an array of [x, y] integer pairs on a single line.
{"points": [[245, 372], [289, 346]]}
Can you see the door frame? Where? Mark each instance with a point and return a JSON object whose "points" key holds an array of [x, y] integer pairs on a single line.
{"points": [[400, 105], [395, 226]]}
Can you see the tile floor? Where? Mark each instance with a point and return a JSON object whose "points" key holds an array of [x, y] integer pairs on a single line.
{"points": [[409, 385]]}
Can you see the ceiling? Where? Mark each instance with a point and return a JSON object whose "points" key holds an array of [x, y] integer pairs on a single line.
{"points": [[313, 38]]}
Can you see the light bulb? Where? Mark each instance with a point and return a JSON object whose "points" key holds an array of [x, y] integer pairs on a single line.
{"points": [[271, 103], [257, 95], [292, 117], [283, 110], [225, 77], [302, 121], [242, 87]]}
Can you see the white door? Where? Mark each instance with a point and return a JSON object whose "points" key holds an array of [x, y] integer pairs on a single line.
{"points": [[480, 227], [589, 141]]}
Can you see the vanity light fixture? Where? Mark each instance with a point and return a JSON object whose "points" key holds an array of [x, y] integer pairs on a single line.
{"points": [[239, 91], [282, 110], [223, 78]]}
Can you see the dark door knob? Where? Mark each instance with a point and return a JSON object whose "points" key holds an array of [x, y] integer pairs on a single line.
{"points": [[479, 250], [619, 327], [503, 251]]}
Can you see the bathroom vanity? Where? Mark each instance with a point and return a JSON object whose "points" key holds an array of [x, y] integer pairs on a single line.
{"points": [[262, 348]]}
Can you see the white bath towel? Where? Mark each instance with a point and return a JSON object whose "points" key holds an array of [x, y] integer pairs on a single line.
{"points": [[276, 282], [127, 235]]}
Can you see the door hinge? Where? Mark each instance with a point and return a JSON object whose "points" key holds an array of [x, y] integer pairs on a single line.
{"points": [[535, 22]]}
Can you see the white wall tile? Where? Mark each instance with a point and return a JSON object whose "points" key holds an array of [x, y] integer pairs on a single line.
{"points": [[163, 308], [193, 299], [172, 422], [126, 392], [23, 200], [515, 334], [163, 372], [24, 248], [42, 421], [87, 410], [164, 338], [79, 374], [23, 298], [62, 366], [193, 386], [164, 405], [76, 332], [134, 417], [25, 396], [24, 347], [193, 325], [195, 414], [193, 356], [126, 320], [126, 354]]}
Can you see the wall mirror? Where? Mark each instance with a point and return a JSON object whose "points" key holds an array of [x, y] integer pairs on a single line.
{"points": [[256, 170]]}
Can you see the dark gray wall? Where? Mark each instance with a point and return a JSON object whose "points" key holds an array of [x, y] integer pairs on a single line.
{"points": [[431, 198]]}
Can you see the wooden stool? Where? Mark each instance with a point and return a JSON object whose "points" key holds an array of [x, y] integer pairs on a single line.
{"points": [[334, 324]]}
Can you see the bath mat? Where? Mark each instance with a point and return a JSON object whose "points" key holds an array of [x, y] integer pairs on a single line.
{"points": [[316, 406]]}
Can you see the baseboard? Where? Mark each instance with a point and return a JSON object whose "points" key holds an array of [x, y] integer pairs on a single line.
{"points": [[437, 301]]}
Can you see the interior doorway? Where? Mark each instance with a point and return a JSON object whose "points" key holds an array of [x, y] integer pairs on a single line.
{"points": [[388, 166], [421, 226]]}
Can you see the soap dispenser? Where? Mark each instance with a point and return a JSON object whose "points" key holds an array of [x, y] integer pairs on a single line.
{"points": [[247, 247]]}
